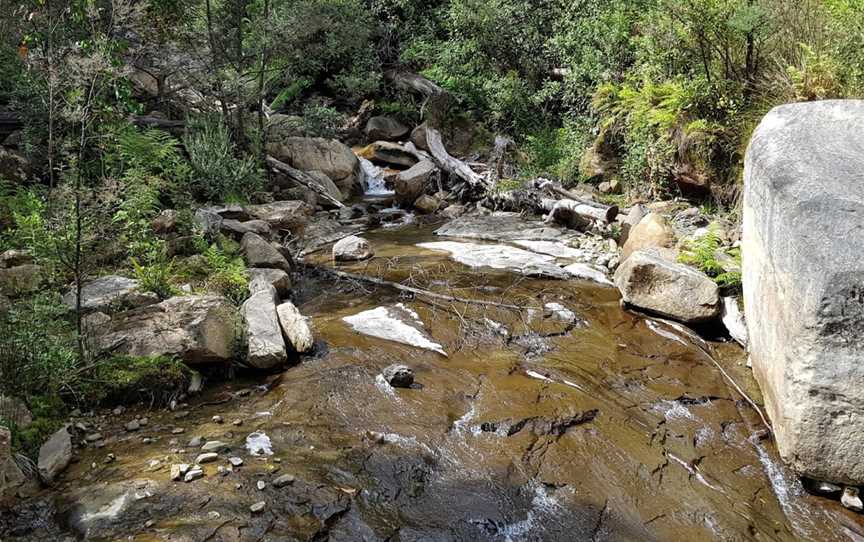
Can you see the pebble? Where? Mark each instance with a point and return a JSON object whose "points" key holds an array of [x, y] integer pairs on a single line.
{"points": [[213, 446], [178, 470], [261, 485], [193, 474], [195, 442], [235, 461], [237, 422], [134, 425], [828, 487], [118, 411], [398, 376], [181, 414], [147, 440], [177, 431], [93, 437], [213, 514], [217, 419], [143, 422], [283, 480], [110, 458], [149, 523], [258, 507], [207, 458], [225, 471], [851, 499]]}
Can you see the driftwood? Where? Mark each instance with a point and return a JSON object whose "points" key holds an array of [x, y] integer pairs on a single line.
{"points": [[448, 163], [574, 214], [607, 213], [302, 179], [415, 291]]}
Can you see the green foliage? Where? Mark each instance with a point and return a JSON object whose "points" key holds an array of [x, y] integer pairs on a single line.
{"points": [[219, 175], [127, 379], [155, 276], [223, 270], [321, 120], [705, 252]]}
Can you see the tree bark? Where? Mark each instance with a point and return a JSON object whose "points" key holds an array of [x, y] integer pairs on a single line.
{"points": [[448, 163], [302, 179]]}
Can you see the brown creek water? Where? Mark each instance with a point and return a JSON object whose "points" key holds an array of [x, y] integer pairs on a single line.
{"points": [[617, 428]]}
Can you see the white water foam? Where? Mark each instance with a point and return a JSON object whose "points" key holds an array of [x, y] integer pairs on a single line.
{"points": [[373, 179]]}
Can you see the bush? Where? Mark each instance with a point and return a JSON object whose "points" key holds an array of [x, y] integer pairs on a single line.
{"points": [[321, 121], [219, 176], [705, 252]]}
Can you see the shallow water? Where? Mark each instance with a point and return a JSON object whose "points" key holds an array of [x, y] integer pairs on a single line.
{"points": [[616, 428]]}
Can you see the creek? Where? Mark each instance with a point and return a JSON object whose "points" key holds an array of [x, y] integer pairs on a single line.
{"points": [[612, 426]]}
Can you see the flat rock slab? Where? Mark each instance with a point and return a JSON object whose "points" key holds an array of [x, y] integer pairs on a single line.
{"points": [[553, 248], [503, 257], [112, 291], [398, 324], [502, 227]]}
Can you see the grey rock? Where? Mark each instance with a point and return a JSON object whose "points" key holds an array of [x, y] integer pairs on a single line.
{"points": [[207, 457], [266, 346], [412, 182], [803, 278], [283, 480], [385, 128], [19, 280], [13, 166], [295, 328], [214, 446], [386, 152], [109, 293], [851, 499], [235, 461], [55, 455], [133, 425], [193, 474], [165, 222], [501, 227], [197, 329], [291, 215], [352, 248], [178, 471], [195, 442], [427, 204], [398, 376], [237, 229], [733, 319], [260, 279], [652, 232], [650, 282], [258, 507], [14, 258], [334, 159], [208, 222], [260, 253], [262, 485]]}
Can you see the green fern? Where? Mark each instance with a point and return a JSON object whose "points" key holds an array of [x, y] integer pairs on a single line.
{"points": [[702, 254]]}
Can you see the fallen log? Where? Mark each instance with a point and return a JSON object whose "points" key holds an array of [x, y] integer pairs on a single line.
{"points": [[609, 212], [448, 163], [158, 123], [302, 179], [413, 290], [575, 214]]}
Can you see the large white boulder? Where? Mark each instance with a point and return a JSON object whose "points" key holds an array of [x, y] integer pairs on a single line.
{"points": [[266, 346], [803, 273]]}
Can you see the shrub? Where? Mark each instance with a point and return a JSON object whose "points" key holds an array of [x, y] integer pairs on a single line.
{"points": [[321, 121], [226, 271], [219, 175]]}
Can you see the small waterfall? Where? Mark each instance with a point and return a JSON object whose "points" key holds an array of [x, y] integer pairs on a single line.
{"points": [[373, 179]]}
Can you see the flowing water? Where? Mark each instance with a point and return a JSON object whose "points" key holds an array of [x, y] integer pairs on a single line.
{"points": [[613, 427]]}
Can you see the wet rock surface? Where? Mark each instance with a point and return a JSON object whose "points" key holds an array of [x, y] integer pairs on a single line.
{"points": [[621, 429]]}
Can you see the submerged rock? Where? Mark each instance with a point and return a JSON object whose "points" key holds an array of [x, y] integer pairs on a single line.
{"points": [[503, 257], [352, 248], [397, 324], [501, 227], [803, 278], [588, 272], [295, 327], [110, 292], [197, 329], [55, 455], [674, 290], [266, 347], [398, 376]]}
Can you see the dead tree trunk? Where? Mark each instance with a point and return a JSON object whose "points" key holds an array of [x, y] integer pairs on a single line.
{"points": [[302, 179]]}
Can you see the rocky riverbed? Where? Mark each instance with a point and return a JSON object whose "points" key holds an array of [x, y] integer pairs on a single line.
{"points": [[570, 419]]}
